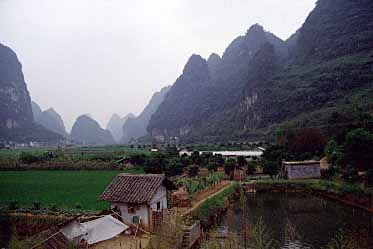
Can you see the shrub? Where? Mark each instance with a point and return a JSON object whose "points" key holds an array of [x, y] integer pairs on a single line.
{"points": [[54, 207], [36, 205], [29, 158], [77, 205], [13, 205]]}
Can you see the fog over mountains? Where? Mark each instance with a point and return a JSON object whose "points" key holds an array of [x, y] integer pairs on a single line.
{"points": [[16, 117], [49, 118], [261, 83], [261, 80], [87, 131], [115, 125]]}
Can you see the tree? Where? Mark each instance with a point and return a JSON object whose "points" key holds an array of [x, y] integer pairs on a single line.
{"points": [[251, 168], [241, 161], [138, 159], [358, 149], [229, 166], [173, 167], [154, 164], [307, 143], [219, 160], [333, 152], [171, 150], [195, 157], [272, 159]]}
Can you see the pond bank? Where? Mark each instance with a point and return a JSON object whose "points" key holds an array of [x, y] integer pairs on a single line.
{"points": [[211, 209], [299, 220], [347, 194]]}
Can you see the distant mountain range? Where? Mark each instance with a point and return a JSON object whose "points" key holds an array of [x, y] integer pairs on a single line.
{"points": [[316, 78], [262, 82], [87, 131], [135, 127], [16, 117], [50, 119], [115, 125]]}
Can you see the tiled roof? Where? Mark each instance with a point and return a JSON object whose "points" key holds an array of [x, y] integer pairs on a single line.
{"points": [[132, 188]]}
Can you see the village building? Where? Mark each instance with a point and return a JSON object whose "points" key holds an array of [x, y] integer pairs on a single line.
{"points": [[140, 199], [186, 152], [247, 154], [302, 169]]}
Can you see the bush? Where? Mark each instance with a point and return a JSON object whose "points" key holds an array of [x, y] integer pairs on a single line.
{"points": [[13, 205], [370, 177], [350, 174], [77, 205], [29, 158], [36, 205], [54, 207]]}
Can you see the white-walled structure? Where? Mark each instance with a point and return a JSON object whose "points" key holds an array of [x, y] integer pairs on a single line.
{"points": [[138, 198]]}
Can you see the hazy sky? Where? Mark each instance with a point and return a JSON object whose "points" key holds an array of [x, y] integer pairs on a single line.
{"points": [[109, 56]]}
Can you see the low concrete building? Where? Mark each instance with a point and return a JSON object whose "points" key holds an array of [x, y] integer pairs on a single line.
{"points": [[185, 152], [234, 154], [140, 199], [302, 169]]}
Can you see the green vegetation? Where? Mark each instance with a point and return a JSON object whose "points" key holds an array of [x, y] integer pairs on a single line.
{"points": [[70, 191], [214, 203], [101, 154], [195, 184], [339, 188]]}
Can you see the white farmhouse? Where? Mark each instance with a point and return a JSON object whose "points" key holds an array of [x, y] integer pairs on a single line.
{"points": [[140, 199]]}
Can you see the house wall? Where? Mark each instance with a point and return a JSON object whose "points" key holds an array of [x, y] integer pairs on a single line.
{"points": [[160, 196], [144, 212], [303, 171]]}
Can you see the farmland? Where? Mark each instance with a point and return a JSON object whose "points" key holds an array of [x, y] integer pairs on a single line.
{"points": [[55, 190]]}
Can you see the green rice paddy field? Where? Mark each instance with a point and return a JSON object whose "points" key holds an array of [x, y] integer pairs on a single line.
{"points": [[62, 190]]}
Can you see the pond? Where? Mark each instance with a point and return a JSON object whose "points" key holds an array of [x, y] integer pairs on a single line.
{"points": [[303, 221], [5, 231]]}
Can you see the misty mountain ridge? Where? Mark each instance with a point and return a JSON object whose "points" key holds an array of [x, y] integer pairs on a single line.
{"points": [[49, 118], [135, 127], [208, 87], [261, 81], [87, 131], [115, 125], [16, 117]]}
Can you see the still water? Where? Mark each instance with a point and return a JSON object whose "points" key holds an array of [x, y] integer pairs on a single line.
{"points": [[302, 221]]}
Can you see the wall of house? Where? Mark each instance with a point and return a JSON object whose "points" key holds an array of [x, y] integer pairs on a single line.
{"points": [[142, 212], [160, 196], [303, 171]]}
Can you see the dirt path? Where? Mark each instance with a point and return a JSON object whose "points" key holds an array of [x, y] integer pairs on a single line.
{"points": [[207, 195], [203, 194]]}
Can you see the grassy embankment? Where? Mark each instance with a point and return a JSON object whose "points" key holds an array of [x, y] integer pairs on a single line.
{"points": [[336, 187], [214, 204], [65, 191]]}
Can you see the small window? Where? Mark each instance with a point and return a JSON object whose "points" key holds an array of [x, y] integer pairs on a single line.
{"points": [[135, 219], [132, 209], [158, 205]]}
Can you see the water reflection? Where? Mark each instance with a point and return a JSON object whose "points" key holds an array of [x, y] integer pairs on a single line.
{"points": [[302, 221], [5, 231]]}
